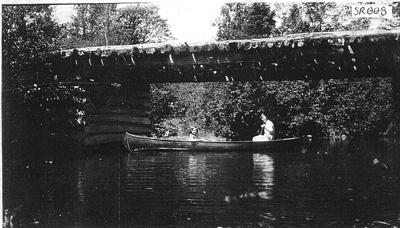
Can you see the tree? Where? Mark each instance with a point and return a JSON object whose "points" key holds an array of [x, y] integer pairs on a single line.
{"points": [[312, 17], [294, 20], [244, 21], [32, 102], [318, 17], [260, 21], [104, 24], [91, 26], [230, 24], [29, 35], [141, 24]]}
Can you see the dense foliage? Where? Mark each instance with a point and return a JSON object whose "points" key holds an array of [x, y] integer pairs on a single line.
{"points": [[241, 21], [105, 24], [28, 36], [141, 24], [322, 108], [91, 26], [33, 104]]}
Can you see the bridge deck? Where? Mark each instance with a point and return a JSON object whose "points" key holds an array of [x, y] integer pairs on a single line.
{"points": [[291, 57]]}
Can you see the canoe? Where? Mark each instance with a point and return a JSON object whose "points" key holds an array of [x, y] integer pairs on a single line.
{"points": [[142, 143]]}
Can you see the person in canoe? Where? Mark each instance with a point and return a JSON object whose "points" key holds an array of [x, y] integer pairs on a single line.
{"points": [[267, 131], [194, 135]]}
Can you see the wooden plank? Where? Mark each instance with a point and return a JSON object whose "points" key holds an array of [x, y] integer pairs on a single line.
{"points": [[114, 118], [105, 110], [136, 93], [117, 128], [129, 102], [103, 138], [134, 84]]}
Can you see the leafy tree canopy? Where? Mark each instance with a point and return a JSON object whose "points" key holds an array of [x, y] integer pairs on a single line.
{"points": [[31, 101], [29, 35], [142, 24], [260, 21], [241, 21], [105, 24]]}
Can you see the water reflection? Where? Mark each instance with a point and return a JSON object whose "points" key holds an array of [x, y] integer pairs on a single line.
{"points": [[96, 197], [335, 183], [263, 173], [197, 169], [262, 181], [179, 188]]}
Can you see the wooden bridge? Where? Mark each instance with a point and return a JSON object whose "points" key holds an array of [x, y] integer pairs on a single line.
{"points": [[118, 78]]}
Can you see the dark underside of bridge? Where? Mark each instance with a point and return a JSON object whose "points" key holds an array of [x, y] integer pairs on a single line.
{"points": [[118, 77]]}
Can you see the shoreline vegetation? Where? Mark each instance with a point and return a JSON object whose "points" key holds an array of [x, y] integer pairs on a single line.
{"points": [[333, 108]]}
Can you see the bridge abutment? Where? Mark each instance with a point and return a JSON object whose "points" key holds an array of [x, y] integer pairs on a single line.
{"points": [[115, 109]]}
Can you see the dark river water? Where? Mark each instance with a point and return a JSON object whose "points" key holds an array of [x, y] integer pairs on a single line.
{"points": [[335, 183]]}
